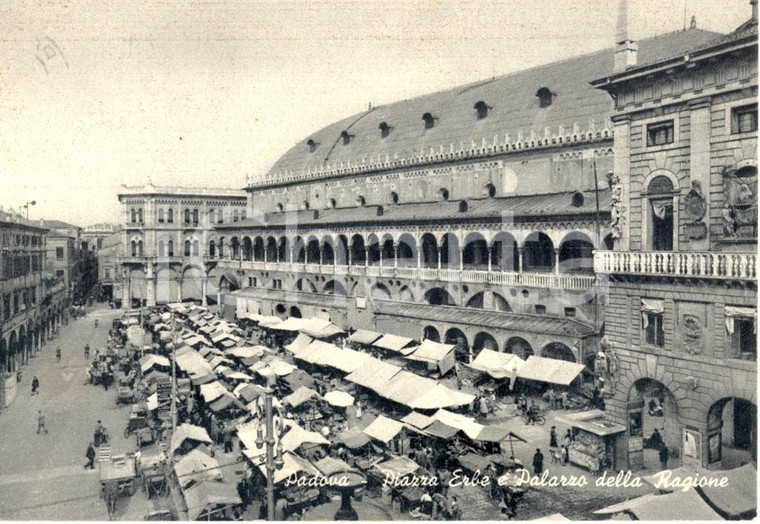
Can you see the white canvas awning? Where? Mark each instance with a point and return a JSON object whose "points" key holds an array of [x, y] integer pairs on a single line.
{"points": [[550, 370]]}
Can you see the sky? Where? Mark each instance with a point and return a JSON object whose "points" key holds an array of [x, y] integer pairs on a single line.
{"points": [[94, 95]]}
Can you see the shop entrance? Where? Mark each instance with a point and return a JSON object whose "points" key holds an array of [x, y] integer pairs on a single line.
{"points": [[653, 422], [732, 433]]}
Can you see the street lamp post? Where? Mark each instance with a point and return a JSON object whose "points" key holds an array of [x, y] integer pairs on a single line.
{"points": [[272, 463], [26, 206]]}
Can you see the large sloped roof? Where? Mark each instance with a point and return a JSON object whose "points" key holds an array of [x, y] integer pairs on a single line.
{"points": [[514, 108]]}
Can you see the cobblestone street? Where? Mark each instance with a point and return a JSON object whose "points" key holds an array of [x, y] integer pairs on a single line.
{"points": [[42, 476]]}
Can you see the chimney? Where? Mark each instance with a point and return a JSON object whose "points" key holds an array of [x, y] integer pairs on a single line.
{"points": [[625, 48], [753, 3]]}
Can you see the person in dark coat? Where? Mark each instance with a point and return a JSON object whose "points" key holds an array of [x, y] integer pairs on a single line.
{"points": [[35, 386], [664, 456], [90, 454], [538, 462], [553, 437]]}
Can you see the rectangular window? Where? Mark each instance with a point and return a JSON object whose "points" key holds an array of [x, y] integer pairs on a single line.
{"points": [[59, 272], [660, 133], [744, 119], [569, 311], [655, 334], [107, 273], [540, 309], [59, 253]]}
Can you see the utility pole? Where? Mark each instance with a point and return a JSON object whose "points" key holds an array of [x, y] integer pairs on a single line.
{"points": [[174, 381]]}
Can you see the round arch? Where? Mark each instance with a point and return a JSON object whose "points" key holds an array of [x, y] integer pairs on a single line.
{"points": [[483, 341], [192, 283], [518, 346], [652, 406], [429, 248], [439, 297], [405, 294], [557, 351], [476, 301], [576, 253], [475, 252], [294, 311], [431, 333], [380, 291], [504, 252], [358, 251], [304, 284], [333, 287], [731, 432], [538, 253], [456, 337], [167, 285], [500, 303], [407, 251]]}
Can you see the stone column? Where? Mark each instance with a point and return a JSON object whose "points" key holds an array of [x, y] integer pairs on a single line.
{"points": [[150, 285], [204, 288], [556, 261], [126, 290], [488, 254], [366, 256], [179, 289], [440, 252], [395, 255], [520, 253]]}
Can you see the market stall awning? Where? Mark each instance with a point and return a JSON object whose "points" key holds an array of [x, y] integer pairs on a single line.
{"points": [[383, 429], [442, 355], [188, 432], [681, 505], [471, 428], [395, 343], [210, 350], [291, 324], [441, 430], [248, 392], [397, 467], [739, 500], [212, 391], [373, 374], [496, 364], [339, 398], [497, 433], [550, 370], [406, 387], [363, 336], [191, 362], [298, 378], [300, 342], [300, 396], [196, 467], [329, 466], [354, 438], [246, 352], [417, 420], [293, 466], [440, 396], [151, 361], [207, 497], [270, 322], [320, 328], [226, 401]]}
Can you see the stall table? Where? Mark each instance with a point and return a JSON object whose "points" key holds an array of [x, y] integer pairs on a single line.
{"points": [[120, 470]]}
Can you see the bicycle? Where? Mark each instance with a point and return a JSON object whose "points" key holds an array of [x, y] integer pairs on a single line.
{"points": [[538, 419]]}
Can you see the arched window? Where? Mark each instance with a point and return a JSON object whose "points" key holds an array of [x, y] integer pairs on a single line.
{"points": [[489, 190], [140, 215], [134, 215], [170, 218], [161, 250], [330, 203], [187, 248], [360, 201], [139, 248], [577, 199], [443, 193], [545, 97], [235, 216], [187, 216], [195, 216], [243, 214], [134, 248], [462, 206], [161, 215], [171, 248], [210, 216], [220, 217], [385, 129], [305, 204], [482, 109], [212, 248], [661, 212], [312, 145], [346, 137], [280, 207], [394, 197], [429, 120]]}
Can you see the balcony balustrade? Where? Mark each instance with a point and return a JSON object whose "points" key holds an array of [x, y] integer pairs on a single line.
{"points": [[726, 265], [572, 282]]}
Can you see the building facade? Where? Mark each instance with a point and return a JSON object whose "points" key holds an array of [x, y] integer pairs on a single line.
{"points": [[467, 216], [108, 255], [164, 233], [32, 299], [94, 235], [681, 303]]}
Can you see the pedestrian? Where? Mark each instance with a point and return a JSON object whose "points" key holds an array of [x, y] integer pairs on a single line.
{"points": [[58, 353], [568, 438], [41, 422], [359, 410], [552, 398], [444, 476], [564, 454], [664, 456], [455, 510], [96, 435], [538, 462], [90, 454], [87, 351], [35, 385], [553, 437], [565, 400], [483, 407]]}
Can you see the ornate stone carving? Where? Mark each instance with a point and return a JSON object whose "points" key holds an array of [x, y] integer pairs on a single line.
{"points": [[616, 205], [740, 203], [694, 210], [692, 334]]}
